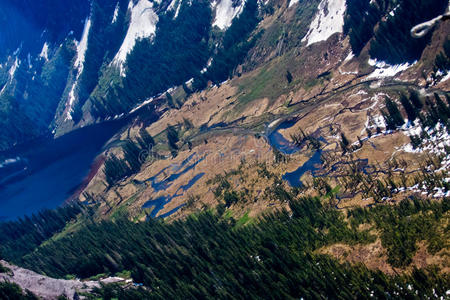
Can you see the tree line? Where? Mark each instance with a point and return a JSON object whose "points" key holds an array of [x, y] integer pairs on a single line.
{"points": [[134, 155], [208, 256]]}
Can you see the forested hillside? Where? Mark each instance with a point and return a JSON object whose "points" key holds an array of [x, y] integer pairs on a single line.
{"points": [[212, 255], [387, 24]]}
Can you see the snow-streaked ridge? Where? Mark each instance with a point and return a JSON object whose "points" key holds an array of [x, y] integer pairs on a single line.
{"points": [[175, 5], [11, 72], [115, 14], [328, 21], [292, 2], [79, 65], [225, 13], [142, 25], [13, 68]]}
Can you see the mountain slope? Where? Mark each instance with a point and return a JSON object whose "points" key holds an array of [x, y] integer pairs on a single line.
{"points": [[94, 40], [298, 146]]}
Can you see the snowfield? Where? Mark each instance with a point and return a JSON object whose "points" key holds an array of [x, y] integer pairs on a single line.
{"points": [[328, 21], [225, 13], [142, 25]]}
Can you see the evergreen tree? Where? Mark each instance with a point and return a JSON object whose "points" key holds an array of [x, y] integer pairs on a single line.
{"points": [[393, 42], [393, 117], [441, 111], [147, 138], [115, 169], [11, 291], [170, 101], [442, 61], [289, 76], [235, 44], [410, 110], [360, 18], [344, 143], [172, 137], [132, 156], [415, 100]]}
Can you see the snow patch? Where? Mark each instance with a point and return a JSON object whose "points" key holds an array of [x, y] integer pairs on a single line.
{"points": [[292, 2], [349, 56], [142, 25], [13, 69], [148, 101], [225, 13], [44, 52], [348, 73], [436, 143], [392, 12], [328, 21], [3, 89], [9, 161], [115, 14], [30, 66], [384, 70], [274, 123], [374, 122], [71, 100], [446, 77]]}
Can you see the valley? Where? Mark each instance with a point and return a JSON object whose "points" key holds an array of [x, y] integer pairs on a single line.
{"points": [[232, 149]]}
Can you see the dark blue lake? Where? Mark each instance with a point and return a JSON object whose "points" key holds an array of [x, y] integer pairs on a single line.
{"points": [[277, 140], [50, 170]]}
